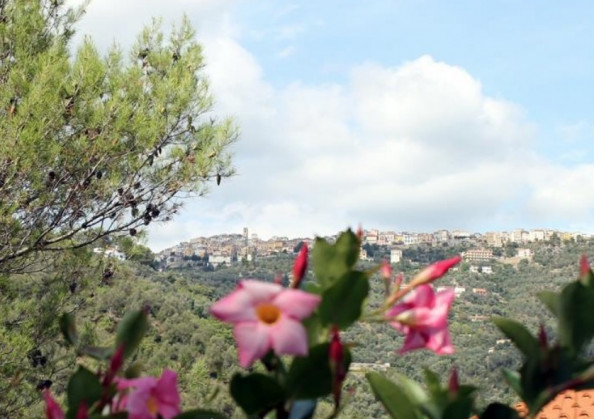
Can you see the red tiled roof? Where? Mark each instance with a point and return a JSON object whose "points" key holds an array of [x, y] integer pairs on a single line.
{"points": [[569, 404]]}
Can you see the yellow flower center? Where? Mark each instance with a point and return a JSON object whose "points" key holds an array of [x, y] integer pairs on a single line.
{"points": [[152, 405], [268, 313]]}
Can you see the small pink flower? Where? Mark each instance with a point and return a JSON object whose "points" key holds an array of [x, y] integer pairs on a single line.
{"points": [[266, 316], [52, 408], [422, 315], [434, 271], [300, 266], [149, 396]]}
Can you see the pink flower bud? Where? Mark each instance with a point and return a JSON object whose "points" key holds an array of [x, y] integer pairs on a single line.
{"points": [[454, 384], [360, 234], [584, 266], [115, 364], [278, 279], [336, 355], [52, 408], [434, 271], [386, 270], [398, 280], [82, 412], [300, 266], [543, 339]]}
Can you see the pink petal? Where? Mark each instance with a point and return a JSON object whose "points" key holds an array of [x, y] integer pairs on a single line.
{"points": [[235, 307], [253, 342], [168, 412], [439, 342], [260, 292], [423, 295], [296, 303], [166, 391], [143, 383], [137, 404], [289, 337], [414, 340]]}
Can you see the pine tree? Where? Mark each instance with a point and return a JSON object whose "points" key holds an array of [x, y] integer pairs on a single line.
{"points": [[92, 144]]}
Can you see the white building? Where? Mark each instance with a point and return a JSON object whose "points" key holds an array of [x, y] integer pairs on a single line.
{"points": [[395, 255]]}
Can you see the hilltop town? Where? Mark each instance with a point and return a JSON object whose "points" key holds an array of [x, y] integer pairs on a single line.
{"points": [[228, 249]]}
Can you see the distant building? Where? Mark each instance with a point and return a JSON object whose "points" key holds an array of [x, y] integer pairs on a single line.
{"points": [[487, 269], [493, 239], [524, 253], [395, 255], [478, 255]]}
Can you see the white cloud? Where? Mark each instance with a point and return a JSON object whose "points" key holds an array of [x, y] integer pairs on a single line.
{"points": [[418, 146]]}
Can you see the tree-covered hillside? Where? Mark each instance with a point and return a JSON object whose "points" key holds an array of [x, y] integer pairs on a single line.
{"points": [[184, 337]]}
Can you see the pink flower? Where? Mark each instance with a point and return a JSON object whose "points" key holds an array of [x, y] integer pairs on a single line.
{"points": [[422, 315], [266, 316], [150, 396], [52, 408], [434, 271]]}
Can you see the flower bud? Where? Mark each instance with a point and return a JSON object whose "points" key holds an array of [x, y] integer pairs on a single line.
{"points": [[278, 279], [82, 412], [584, 266], [543, 340], [454, 384], [434, 271], [386, 273], [52, 408], [386, 270], [300, 266], [336, 355]]}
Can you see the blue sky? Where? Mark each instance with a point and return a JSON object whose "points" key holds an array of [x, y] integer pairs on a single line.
{"points": [[406, 115]]}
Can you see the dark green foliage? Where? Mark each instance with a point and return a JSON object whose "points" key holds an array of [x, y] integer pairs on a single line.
{"points": [[311, 377], [256, 393]]}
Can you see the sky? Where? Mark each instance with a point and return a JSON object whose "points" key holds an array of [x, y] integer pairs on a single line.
{"points": [[404, 115]]}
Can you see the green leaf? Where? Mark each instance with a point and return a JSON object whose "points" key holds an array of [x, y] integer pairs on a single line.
{"points": [[551, 300], [83, 386], [413, 390], [459, 409], [499, 411], [131, 330], [310, 377], [342, 303], [315, 331], [395, 401], [332, 261], [200, 414], [256, 393], [97, 352], [576, 322], [519, 335], [68, 328], [432, 381], [513, 380]]}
